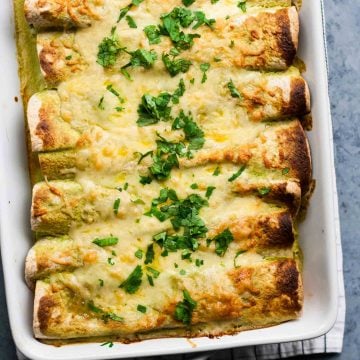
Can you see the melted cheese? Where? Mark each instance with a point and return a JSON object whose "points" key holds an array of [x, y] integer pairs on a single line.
{"points": [[110, 140]]}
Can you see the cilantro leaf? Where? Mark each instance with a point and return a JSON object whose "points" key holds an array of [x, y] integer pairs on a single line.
{"points": [[237, 174], [204, 68], [188, 2], [150, 254], [217, 171], [142, 57], [242, 5], [133, 282], [209, 191], [179, 91], [264, 191], [153, 34], [116, 206], [201, 19], [222, 241], [233, 90], [109, 241], [193, 132], [175, 66], [141, 308], [108, 50], [153, 109], [131, 22], [185, 308]]}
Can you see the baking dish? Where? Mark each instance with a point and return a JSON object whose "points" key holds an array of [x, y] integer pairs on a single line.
{"points": [[317, 232]]}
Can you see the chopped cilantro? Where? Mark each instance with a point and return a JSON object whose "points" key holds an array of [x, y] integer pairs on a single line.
{"points": [[242, 5], [142, 57], [126, 185], [126, 9], [182, 272], [199, 262], [192, 131], [217, 171], [109, 49], [285, 171], [214, 1], [194, 186], [110, 344], [179, 91], [109, 241], [116, 206], [188, 2], [222, 241], [101, 103], [133, 282], [138, 202], [184, 215], [264, 191], [237, 174], [101, 282], [233, 90], [111, 89], [182, 17], [192, 81], [175, 66], [150, 254], [139, 254], [141, 308], [204, 68], [145, 180], [105, 316], [111, 261], [126, 74], [143, 156], [153, 34], [232, 44], [185, 308], [131, 22], [153, 272], [236, 256], [217, 59], [201, 19], [150, 279], [209, 191], [123, 12], [153, 109]]}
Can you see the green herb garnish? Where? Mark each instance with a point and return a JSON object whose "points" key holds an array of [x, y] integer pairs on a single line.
{"points": [[233, 90], [204, 68], [150, 254], [153, 34], [131, 22], [185, 308], [264, 191], [109, 49], [109, 241], [133, 282], [222, 241], [209, 191], [139, 254], [237, 174], [242, 5], [116, 206], [141, 308], [175, 66], [236, 256]]}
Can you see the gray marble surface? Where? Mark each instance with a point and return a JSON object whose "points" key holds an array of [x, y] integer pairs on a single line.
{"points": [[343, 29]]}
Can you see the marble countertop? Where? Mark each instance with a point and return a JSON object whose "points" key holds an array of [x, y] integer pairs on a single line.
{"points": [[343, 29]]}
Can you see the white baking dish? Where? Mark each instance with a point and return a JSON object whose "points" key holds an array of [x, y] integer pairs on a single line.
{"points": [[317, 233]]}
